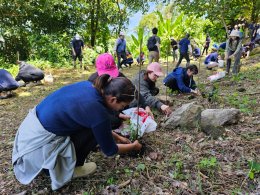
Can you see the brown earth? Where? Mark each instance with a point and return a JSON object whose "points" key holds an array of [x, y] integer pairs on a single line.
{"points": [[175, 162]]}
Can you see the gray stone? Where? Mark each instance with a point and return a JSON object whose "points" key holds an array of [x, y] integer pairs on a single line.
{"points": [[187, 117], [214, 120]]}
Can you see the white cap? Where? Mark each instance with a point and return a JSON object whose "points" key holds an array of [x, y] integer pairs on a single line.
{"points": [[77, 37], [121, 34]]}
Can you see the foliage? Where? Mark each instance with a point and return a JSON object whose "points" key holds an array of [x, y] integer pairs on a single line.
{"points": [[222, 12], [254, 168], [208, 165], [136, 45], [242, 102], [43, 29], [171, 23], [177, 168], [140, 167]]}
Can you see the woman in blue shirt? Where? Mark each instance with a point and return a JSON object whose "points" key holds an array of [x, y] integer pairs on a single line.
{"points": [[60, 132]]}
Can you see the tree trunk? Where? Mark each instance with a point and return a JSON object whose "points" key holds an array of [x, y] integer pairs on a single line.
{"points": [[94, 20]]}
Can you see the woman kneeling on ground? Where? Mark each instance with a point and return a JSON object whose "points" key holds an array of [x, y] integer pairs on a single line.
{"points": [[59, 133], [148, 87], [181, 80]]}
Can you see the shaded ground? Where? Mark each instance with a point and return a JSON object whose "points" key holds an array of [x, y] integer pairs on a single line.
{"points": [[175, 162]]}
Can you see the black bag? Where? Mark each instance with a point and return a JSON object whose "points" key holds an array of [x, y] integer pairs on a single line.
{"points": [[151, 44]]}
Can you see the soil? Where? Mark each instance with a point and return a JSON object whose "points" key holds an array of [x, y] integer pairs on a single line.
{"points": [[174, 162]]}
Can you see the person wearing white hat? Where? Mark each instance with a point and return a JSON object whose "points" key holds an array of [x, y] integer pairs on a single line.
{"points": [[233, 51], [77, 46], [120, 50]]}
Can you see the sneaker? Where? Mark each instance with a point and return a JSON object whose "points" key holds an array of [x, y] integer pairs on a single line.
{"points": [[85, 170]]}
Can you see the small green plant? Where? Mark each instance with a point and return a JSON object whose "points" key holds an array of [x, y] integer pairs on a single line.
{"points": [[110, 181], [254, 169], [140, 167], [208, 165], [177, 164], [128, 171], [242, 102]]}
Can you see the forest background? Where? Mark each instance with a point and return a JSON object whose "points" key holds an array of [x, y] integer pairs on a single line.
{"points": [[41, 30]]}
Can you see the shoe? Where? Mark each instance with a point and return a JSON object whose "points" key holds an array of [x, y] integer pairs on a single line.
{"points": [[85, 170]]}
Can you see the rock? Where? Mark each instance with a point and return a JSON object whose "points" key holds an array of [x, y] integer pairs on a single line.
{"points": [[241, 89], [187, 117], [214, 120]]}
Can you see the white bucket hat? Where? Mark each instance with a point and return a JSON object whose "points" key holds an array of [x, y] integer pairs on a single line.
{"points": [[234, 33], [77, 37]]}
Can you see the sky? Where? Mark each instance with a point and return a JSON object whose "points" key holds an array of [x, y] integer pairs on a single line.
{"points": [[134, 20]]}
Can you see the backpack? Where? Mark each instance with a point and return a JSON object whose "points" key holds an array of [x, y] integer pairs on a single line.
{"points": [[151, 44]]}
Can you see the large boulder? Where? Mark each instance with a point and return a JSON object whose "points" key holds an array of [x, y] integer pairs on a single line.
{"points": [[186, 117], [214, 120]]}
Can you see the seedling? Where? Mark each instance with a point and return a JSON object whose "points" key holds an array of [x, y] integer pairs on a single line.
{"points": [[254, 169], [140, 167], [208, 165]]}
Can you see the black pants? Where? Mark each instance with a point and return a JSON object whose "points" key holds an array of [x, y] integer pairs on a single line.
{"points": [[186, 56], [84, 142], [172, 84], [205, 49], [119, 56]]}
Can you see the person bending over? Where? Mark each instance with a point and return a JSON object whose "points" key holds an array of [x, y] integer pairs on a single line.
{"points": [[105, 64], [148, 87], [211, 60], [59, 133], [181, 79]]}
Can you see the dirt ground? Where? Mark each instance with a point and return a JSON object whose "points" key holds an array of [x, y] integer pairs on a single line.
{"points": [[175, 162]]}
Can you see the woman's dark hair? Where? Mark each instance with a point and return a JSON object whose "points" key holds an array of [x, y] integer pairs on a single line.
{"points": [[120, 87], [231, 40], [193, 68], [146, 78]]}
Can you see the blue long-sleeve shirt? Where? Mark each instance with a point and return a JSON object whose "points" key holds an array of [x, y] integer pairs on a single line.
{"points": [[184, 83], [78, 107], [213, 57]]}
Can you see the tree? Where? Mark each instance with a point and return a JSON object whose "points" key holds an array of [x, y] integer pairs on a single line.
{"points": [[222, 10]]}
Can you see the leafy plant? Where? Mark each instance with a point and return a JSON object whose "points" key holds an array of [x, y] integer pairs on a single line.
{"points": [[177, 164], [110, 181], [140, 167], [254, 169], [208, 165], [242, 102]]}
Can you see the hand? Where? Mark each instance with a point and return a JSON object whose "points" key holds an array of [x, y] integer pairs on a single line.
{"points": [[124, 117], [149, 112], [73, 53], [137, 145], [123, 140], [196, 91], [166, 109]]}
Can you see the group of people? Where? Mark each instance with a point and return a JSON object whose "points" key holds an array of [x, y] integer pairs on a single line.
{"points": [[58, 134]]}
